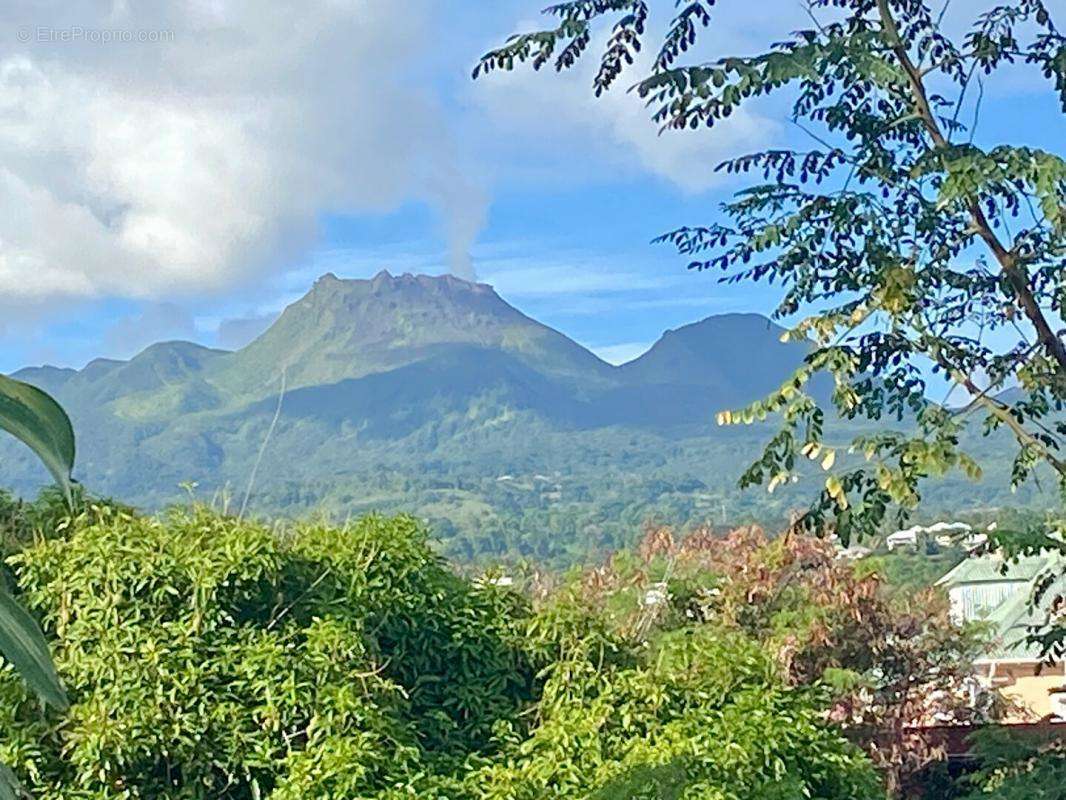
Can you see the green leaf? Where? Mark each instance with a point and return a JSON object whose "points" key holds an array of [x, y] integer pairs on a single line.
{"points": [[23, 645], [10, 788], [36, 419]]}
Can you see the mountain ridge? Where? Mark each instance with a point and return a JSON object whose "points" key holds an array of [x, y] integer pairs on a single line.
{"points": [[343, 329], [329, 286], [417, 393], [383, 354]]}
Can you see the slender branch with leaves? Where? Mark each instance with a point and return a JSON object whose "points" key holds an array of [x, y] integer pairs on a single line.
{"points": [[905, 250]]}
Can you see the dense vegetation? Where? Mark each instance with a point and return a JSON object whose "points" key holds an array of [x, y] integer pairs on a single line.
{"points": [[1016, 766], [206, 655], [893, 235], [568, 499], [210, 657], [905, 246]]}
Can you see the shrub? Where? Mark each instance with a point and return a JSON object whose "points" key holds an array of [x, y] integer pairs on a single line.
{"points": [[699, 715], [207, 657]]}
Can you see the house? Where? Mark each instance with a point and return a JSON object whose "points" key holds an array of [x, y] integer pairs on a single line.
{"points": [[945, 533], [979, 585], [999, 593], [905, 538], [854, 553]]}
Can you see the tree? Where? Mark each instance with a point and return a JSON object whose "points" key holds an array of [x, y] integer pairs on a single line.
{"points": [[1013, 766], [894, 662], [904, 248], [208, 657]]}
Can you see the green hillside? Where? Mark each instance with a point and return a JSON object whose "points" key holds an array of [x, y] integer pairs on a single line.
{"points": [[436, 397]]}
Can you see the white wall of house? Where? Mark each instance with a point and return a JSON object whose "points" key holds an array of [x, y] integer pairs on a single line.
{"points": [[975, 601]]}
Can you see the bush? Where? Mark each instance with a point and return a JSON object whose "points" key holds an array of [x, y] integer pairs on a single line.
{"points": [[206, 657], [1016, 766], [701, 715]]}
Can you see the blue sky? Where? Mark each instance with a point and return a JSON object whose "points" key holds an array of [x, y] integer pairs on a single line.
{"points": [[192, 188]]}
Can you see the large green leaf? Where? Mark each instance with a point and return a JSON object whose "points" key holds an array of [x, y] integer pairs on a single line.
{"points": [[10, 789], [39, 421], [23, 645]]}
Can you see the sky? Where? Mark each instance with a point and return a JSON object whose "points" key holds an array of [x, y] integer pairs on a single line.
{"points": [[183, 170]]}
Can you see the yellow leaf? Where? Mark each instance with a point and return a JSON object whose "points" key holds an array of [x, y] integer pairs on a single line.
{"points": [[833, 486]]}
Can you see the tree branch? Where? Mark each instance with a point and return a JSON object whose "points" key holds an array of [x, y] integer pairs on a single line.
{"points": [[1003, 414], [1012, 270]]}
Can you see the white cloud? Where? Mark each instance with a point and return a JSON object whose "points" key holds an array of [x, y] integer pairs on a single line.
{"points": [[551, 114], [155, 322], [185, 166], [515, 268], [235, 333], [524, 277]]}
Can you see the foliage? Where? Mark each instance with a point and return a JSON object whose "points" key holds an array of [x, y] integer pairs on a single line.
{"points": [[903, 246], [203, 655], [908, 572], [602, 486], [48, 516], [1015, 766], [893, 661], [33, 417], [208, 657], [434, 437], [698, 715], [36, 419]]}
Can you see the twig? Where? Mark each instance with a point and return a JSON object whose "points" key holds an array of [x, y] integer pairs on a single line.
{"points": [[314, 585], [262, 449], [1012, 270]]}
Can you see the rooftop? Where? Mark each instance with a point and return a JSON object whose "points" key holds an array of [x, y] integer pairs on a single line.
{"points": [[993, 569], [1014, 618]]}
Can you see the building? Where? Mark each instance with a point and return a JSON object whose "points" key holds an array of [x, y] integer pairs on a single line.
{"points": [[979, 585], [945, 534], [999, 593], [855, 552]]}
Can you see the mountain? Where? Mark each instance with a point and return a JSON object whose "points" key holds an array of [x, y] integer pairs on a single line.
{"points": [[345, 329], [737, 354], [432, 395], [690, 373]]}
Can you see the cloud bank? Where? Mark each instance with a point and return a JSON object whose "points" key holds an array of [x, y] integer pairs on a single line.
{"points": [[191, 162]]}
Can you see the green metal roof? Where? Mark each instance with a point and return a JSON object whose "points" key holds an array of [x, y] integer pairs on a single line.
{"points": [[987, 569], [1013, 619]]}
